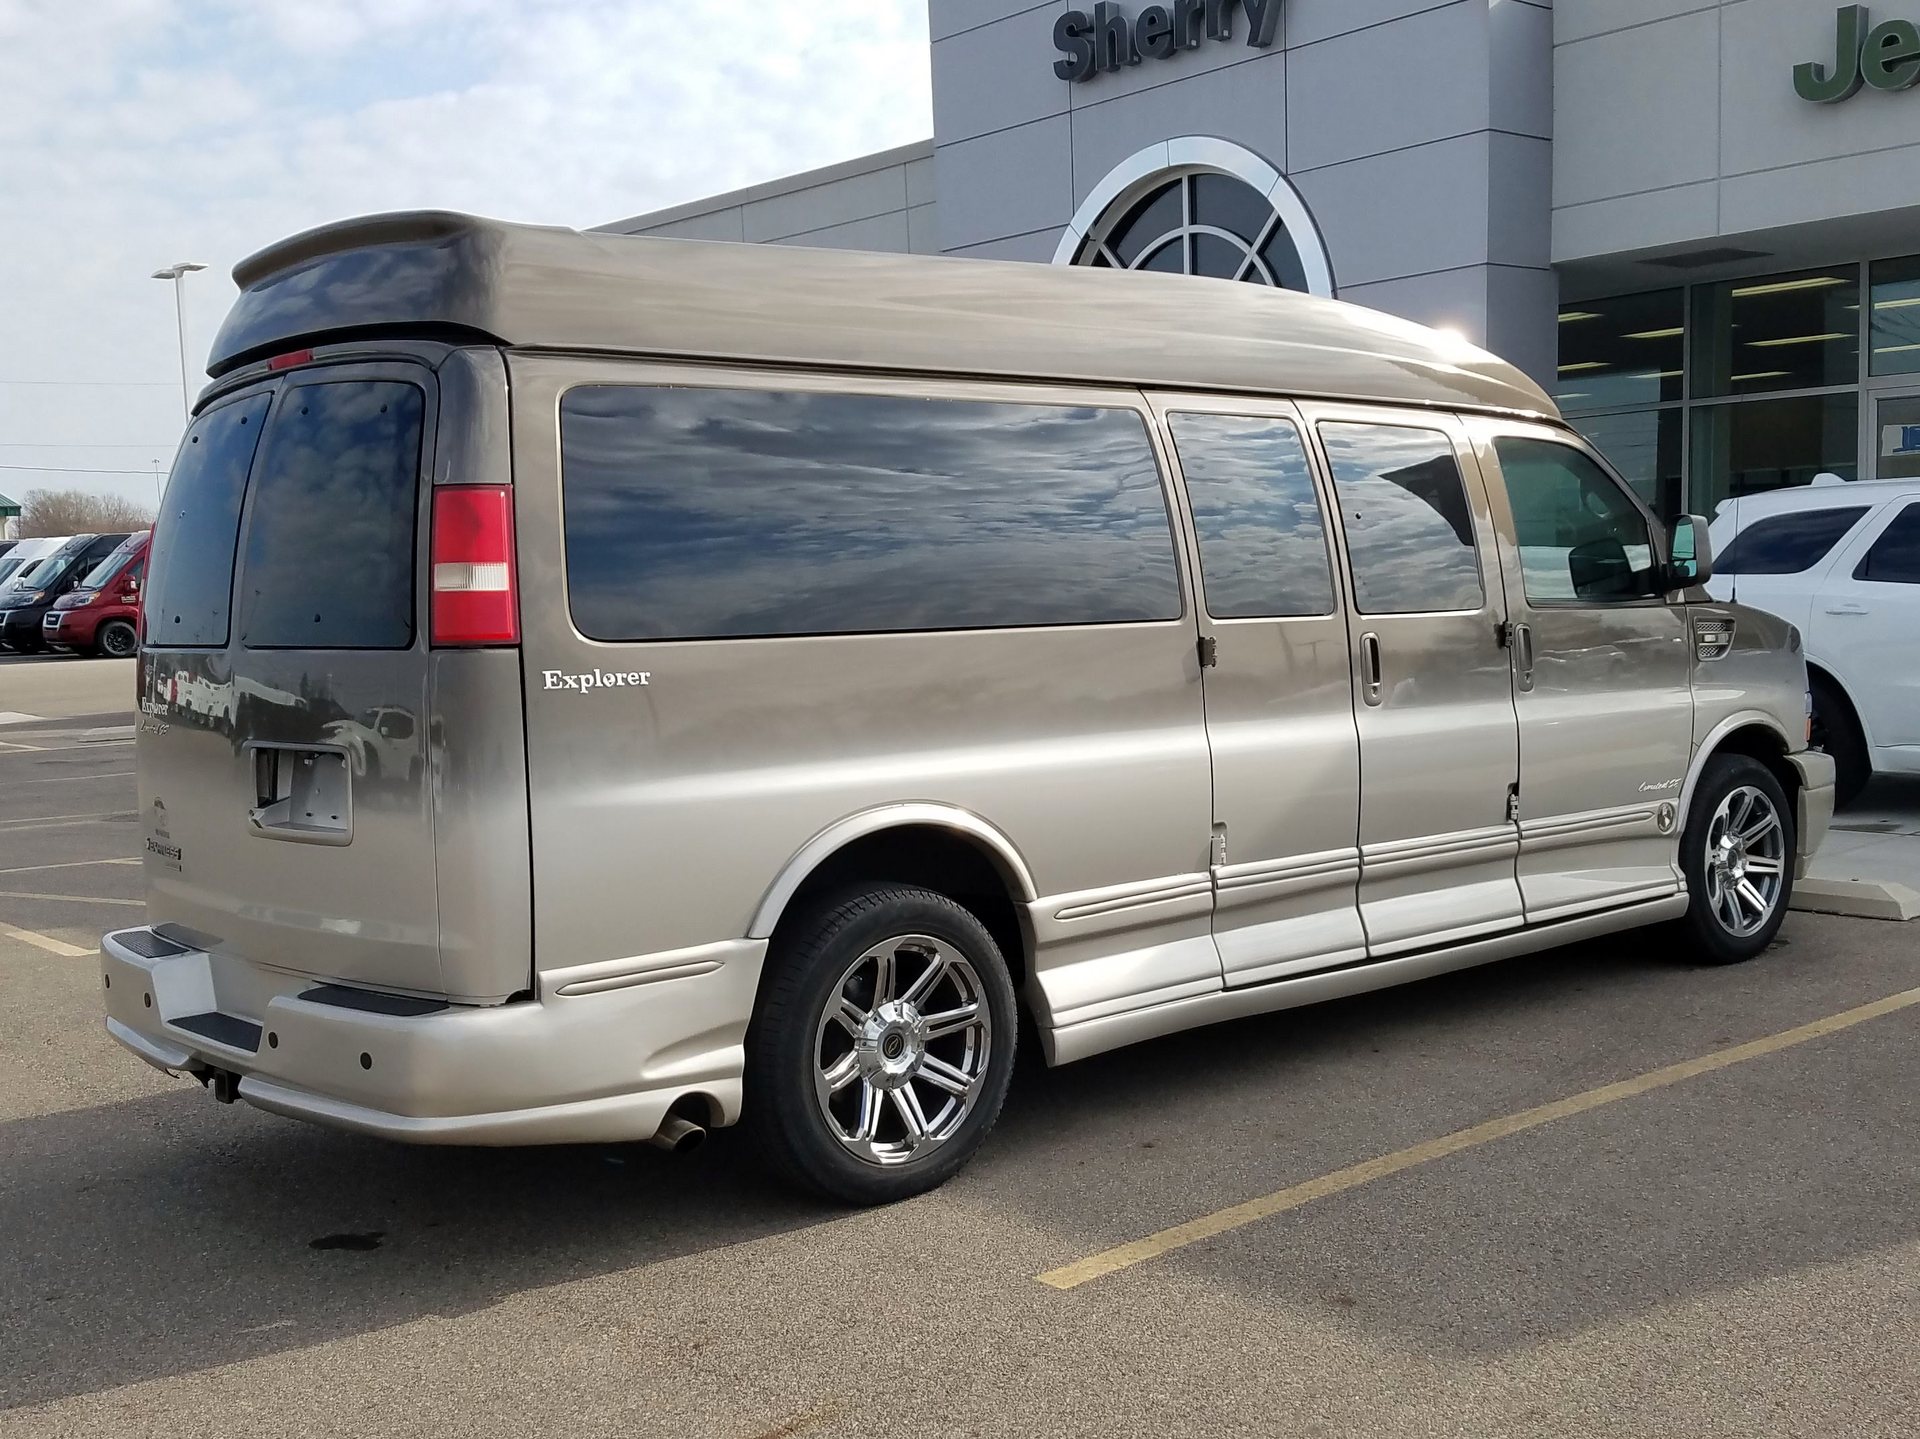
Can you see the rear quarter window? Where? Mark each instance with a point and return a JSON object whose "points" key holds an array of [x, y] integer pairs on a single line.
{"points": [[1788, 544], [190, 564], [708, 513]]}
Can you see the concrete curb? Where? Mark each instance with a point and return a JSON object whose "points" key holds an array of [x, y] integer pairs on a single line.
{"points": [[1856, 898]]}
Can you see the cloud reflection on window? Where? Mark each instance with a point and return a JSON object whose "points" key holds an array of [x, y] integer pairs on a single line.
{"points": [[1263, 548], [330, 533], [706, 512], [190, 566], [1404, 508]]}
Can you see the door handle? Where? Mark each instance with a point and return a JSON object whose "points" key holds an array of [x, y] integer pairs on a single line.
{"points": [[1370, 666], [1523, 654], [1845, 608]]}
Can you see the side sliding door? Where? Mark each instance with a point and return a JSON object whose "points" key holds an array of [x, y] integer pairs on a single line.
{"points": [[1439, 745], [1279, 690]]}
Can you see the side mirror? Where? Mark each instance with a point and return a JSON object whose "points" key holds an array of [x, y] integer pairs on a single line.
{"points": [[1692, 551]]}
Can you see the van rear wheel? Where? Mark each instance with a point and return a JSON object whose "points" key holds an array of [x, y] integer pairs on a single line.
{"points": [[883, 1045], [1738, 851]]}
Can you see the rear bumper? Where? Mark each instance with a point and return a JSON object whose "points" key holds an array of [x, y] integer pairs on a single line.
{"points": [[1815, 804], [586, 1068]]}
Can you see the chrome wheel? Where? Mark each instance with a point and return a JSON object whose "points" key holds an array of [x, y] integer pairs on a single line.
{"points": [[901, 1051], [1746, 861]]}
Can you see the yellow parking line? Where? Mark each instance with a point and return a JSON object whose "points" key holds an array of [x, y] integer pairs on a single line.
{"points": [[65, 864], [1154, 1246], [76, 898], [44, 941]]}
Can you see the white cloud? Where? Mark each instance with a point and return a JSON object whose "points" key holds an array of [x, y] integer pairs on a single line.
{"points": [[138, 132]]}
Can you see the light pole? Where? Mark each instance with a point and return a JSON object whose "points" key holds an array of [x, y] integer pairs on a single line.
{"points": [[177, 273]]}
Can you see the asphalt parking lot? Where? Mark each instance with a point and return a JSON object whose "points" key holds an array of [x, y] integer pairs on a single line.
{"points": [[1726, 1244]]}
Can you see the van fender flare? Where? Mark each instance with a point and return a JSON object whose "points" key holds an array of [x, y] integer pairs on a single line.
{"points": [[1710, 746], [843, 832]]}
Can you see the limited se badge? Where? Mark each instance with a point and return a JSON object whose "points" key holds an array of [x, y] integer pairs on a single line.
{"points": [[594, 679]]}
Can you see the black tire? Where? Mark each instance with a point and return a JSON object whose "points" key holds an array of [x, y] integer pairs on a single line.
{"points": [[1706, 935], [818, 961], [1836, 729], [116, 641]]}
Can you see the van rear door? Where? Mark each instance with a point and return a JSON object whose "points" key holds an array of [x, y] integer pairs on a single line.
{"points": [[285, 686]]}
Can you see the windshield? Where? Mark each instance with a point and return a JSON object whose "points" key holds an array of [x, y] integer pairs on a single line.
{"points": [[102, 573], [40, 571]]}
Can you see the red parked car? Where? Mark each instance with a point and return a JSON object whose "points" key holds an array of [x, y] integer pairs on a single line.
{"points": [[101, 616]]}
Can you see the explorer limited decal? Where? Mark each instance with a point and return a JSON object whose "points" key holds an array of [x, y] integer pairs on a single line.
{"points": [[594, 679]]}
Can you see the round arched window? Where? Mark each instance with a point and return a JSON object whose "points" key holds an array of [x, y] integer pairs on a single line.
{"points": [[1200, 205], [1199, 224]]}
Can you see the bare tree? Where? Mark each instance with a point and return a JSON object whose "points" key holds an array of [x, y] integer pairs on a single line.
{"points": [[75, 512]]}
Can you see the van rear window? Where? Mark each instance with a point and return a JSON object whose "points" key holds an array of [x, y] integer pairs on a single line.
{"points": [[703, 513], [190, 567], [330, 530]]}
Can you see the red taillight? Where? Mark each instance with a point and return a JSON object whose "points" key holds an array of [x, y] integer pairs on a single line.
{"points": [[289, 360], [475, 599]]}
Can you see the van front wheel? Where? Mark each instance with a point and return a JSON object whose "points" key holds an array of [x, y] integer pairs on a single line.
{"points": [[1738, 852], [880, 1054]]}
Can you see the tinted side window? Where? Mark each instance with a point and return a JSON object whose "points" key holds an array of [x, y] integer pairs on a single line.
{"points": [[330, 532], [701, 513], [1403, 505], [1263, 545], [1580, 536], [191, 562], [1788, 544], [1895, 556]]}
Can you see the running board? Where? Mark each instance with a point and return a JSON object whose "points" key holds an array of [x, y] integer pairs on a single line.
{"points": [[1096, 1036]]}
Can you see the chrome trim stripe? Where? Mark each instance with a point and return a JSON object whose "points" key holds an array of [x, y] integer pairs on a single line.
{"points": [[606, 974], [1404, 857], [1560, 831], [1330, 865], [1094, 903]]}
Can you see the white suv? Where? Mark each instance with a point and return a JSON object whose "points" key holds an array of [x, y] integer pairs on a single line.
{"points": [[1842, 562]]}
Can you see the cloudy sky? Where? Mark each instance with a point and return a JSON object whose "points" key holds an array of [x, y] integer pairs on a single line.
{"points": [[134, 133]]}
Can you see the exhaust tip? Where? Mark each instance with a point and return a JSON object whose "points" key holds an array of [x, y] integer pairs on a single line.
{"points": [[677, 1135]]}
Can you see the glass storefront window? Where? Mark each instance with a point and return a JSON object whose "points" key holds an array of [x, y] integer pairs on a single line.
{"points": [[1743, 449], [1624, 351], [1777, 332], [1644, 446], [1895, 327]]}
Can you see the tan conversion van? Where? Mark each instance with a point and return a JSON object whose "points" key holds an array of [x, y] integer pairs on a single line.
{"points": [[598, 688]]}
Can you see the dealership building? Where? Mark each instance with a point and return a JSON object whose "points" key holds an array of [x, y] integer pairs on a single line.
{"points": [[1697, 223]]}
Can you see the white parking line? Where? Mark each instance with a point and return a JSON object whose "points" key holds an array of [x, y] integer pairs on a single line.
{"points": [[34, 820], [65, 864], [44, 941], [73, 898], [70, 778]]}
